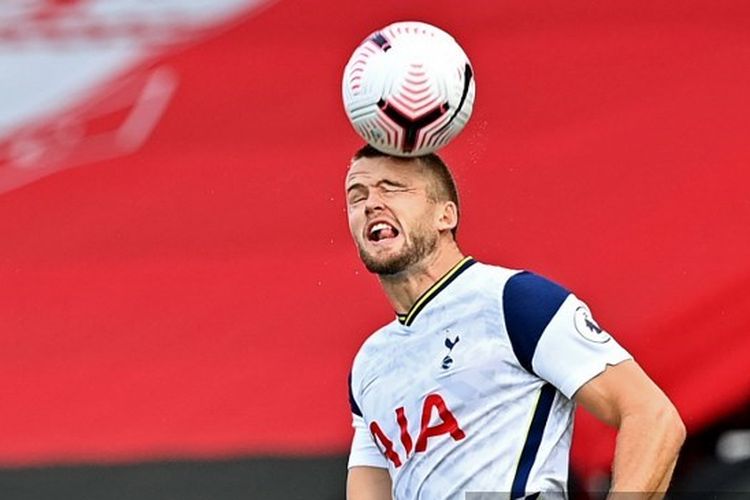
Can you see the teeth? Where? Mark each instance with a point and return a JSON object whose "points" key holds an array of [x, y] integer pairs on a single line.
{"points": [[379, 226]]}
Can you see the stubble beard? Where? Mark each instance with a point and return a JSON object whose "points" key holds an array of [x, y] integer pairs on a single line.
{"points": [[422, 244]]}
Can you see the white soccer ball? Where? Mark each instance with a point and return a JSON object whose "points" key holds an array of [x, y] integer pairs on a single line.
{"points": [[408, 89]]}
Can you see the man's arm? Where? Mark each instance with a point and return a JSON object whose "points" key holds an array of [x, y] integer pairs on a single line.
{"points": [[368, 483], [650, 431]]}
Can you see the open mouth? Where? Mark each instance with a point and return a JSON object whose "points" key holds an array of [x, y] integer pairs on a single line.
{"points": [[381, 231]]}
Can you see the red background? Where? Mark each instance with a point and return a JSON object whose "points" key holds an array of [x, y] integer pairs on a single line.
{"points": [[202, 297]]}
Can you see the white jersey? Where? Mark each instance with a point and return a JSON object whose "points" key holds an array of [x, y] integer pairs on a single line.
{"points": [[468, 396]]}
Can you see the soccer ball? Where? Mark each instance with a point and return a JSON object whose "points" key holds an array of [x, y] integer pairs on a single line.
{"points": [[408, 89]]}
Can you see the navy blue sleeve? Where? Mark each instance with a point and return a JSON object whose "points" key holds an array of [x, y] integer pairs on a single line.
{"points": [[529, 303], [352, 402]]}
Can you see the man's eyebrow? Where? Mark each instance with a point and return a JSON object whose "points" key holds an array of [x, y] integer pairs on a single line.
{"points": [[391, 183], [356, 185], [382, 182]]}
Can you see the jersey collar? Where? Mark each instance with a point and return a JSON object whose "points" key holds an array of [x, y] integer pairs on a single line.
{"points": [[408, 318]]}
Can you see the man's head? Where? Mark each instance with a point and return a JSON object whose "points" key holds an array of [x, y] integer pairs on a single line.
{"points": [[400, 209]]}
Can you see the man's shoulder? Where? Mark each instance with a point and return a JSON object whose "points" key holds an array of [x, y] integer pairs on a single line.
{"points": [[515, 282], [376, 341], [528, 291], [494, 270], [515, 287], [483, 275], [382, 334], [530, 298]]}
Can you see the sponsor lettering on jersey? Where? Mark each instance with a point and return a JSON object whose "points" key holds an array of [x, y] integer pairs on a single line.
{"points": [[448, 425]]}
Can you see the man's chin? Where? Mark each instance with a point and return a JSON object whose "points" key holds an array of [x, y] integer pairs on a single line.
{"points": [[397, 256], [386, 265], [385, 268]]}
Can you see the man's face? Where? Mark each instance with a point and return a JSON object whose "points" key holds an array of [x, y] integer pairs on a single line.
{"points": [[391, 214]]}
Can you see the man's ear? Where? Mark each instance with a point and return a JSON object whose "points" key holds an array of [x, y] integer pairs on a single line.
{"points": [[448, 216]]}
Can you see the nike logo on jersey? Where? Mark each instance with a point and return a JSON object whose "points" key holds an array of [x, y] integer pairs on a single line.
{"points": [[447, 360]]}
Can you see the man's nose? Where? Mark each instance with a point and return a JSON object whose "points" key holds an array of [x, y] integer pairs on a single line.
{"points": [[373, 203]]}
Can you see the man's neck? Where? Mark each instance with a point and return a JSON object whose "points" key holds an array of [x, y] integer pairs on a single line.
{"points": [[405, 288]]}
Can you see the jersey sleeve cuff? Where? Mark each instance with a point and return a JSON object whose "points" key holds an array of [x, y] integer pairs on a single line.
{"points": [[587, 372], [365, 461]]}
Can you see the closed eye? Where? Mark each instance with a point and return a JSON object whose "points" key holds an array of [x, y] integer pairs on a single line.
{"points": [[356, 194], [389, 187]]}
